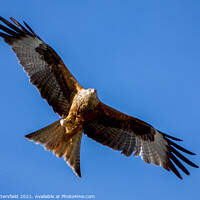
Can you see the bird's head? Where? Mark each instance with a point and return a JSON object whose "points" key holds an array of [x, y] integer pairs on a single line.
{"points": [[92, 91]]}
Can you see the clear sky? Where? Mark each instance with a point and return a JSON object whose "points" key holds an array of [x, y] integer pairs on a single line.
{"points": [[143, 57]]}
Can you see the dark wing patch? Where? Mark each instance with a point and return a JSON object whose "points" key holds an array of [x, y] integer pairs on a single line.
{"points": [[43, 65], [128, 134]]}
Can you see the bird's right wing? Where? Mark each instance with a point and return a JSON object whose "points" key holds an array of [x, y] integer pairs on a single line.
{"points": [[42, 64]]}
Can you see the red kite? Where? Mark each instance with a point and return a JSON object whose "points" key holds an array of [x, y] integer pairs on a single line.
{"points": [[81, 111]]}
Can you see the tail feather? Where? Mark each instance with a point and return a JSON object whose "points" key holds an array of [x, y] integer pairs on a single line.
{"points": [[53, 138], [72, 157]]}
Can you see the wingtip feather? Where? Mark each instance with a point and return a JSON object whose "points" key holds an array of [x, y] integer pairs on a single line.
{"points": [[171, 137], [14, 21]]}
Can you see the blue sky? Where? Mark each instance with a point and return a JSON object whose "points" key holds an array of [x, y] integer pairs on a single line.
{"points": [[143, 57]]}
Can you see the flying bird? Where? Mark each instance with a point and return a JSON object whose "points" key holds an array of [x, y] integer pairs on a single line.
{"points": [[81, 111]]}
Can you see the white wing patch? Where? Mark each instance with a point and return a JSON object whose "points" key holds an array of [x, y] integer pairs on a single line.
{"points": [[155, 152], [29, 58]]}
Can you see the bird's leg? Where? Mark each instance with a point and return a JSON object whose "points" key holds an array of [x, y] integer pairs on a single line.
{"points": [[71, 122], [68, 122]]}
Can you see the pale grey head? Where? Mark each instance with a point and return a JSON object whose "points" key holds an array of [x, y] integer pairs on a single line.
{"points": [[89, 96]]}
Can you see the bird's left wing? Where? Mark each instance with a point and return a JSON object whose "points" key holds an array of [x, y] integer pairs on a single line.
{"points": [[128, 134], [42, 64]]}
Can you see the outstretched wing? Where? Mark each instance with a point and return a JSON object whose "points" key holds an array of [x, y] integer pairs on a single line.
{"points": [[42, 64], [128, 134]]}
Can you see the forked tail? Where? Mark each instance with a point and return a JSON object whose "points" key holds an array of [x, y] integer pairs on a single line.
{"points": [[53, 138]]}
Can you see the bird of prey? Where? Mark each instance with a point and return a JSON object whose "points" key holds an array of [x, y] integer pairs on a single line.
{"points": [[81, 111]]}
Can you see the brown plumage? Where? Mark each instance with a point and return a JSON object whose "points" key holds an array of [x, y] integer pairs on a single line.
{"points": [[81, 111]]}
